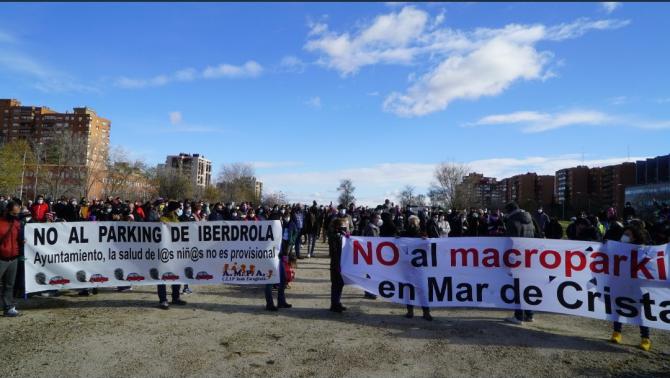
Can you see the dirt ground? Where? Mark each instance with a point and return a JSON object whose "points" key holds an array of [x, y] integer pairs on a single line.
{"points": [[225, 331]]}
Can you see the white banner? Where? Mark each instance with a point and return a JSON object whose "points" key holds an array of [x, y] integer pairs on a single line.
{"points": [[103, 254], [611, 281]]}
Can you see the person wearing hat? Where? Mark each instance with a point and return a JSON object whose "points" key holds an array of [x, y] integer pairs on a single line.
{"points": [[169, 216], [519, 224]]}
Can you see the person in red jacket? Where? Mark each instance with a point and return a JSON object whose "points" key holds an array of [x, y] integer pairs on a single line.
{"points": [[39, 210], [10, 241]]}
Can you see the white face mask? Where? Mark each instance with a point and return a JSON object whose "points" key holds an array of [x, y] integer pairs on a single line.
{"points": [[625, 239], [343, 212], [40, 201]]}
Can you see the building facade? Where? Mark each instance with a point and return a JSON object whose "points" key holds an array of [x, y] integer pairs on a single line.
{"points": [[71, 149], [194, 166]]}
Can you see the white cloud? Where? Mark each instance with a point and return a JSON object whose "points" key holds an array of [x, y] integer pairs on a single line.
{"points": [[249, 69], [533, 122], [610, 6], [42, 77], [314, 102], [293, 64], [471, 64], [582, 26], [386, 40], [175, 117], [377, 182]]}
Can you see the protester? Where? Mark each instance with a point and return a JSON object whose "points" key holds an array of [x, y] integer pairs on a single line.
{"points": [[170, 216], [519, 224], [11, 238], [283, 260], [339, 227], [633, 235], [414, 231]]}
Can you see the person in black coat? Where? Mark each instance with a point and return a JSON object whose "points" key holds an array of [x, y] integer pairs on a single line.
{"points": [[413, 230]]}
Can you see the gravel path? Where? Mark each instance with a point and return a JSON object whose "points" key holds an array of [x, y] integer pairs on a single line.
{"points": [[225, 331]]}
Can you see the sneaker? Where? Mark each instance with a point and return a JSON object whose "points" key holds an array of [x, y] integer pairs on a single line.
{"points": [[529, 319], [164, 305], [94, 291], [616, 337], [187, 290], [409, 314], [84, 293], [285, 305], [514, 320], [179, 302], [271, 307], [12, 313], [645, 344], [369, 296], [427, 316]]}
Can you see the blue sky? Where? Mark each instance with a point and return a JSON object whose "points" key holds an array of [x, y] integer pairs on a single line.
{"points": [[379, 93]]}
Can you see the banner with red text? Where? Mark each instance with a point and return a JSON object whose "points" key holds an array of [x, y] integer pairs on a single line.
{"points": [[611, 281], [108, 254]]}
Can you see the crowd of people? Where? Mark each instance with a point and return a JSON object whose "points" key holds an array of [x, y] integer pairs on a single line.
{"points": [[304, 225]]}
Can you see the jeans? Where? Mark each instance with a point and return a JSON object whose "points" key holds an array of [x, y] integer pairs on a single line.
{"points": [[523, 315], [644, 331], [162, 292], [311, 243], [281, 296], [8, 277]]}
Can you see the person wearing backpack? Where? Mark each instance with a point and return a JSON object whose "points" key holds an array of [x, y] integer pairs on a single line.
{"points": [[10, 241]]}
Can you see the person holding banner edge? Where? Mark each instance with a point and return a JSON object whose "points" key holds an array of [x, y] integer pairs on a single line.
{"points": [[11, 239], [633, 235], [519, 224], [170, 216]]}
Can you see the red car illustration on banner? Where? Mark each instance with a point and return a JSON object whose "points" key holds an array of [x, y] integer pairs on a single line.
{"points": [[98, 278], [58, 280], [203, 276], [169, 276], [134, 277]]}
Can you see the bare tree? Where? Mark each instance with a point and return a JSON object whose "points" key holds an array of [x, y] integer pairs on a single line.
{"points": [[346, 190], [406, 196], [237, 181], [274, 198], [445, 190]]}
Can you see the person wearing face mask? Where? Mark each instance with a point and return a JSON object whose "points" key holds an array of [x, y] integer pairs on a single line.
{"points": [[339, 227], [187, 215], [283, 261], [11, 239], [432, 226], [372, 229], [39, 210], [169, 216], [71, 212], [413, 230], [217, 214], [443, 225], [632, 234], [542, 219]]}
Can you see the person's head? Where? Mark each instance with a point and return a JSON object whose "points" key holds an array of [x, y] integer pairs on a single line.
{"points": [[40, 199], [13, 208], [540, 210], [511, 207], [172, 207], [628, 204], [376, 219], [633, 234]]}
